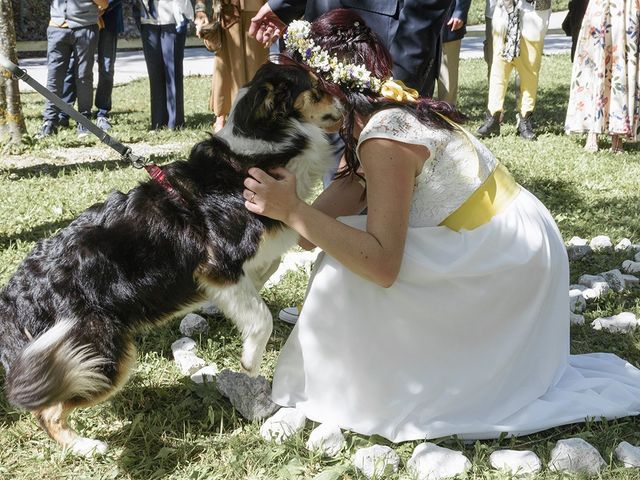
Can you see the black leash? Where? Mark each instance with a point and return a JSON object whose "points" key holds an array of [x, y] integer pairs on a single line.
{"points": [[125, 152]]}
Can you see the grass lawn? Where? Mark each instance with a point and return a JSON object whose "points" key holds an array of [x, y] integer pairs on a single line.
{"points": [[161, 425]]}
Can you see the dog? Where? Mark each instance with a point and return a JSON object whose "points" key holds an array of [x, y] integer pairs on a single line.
{"points": [[69, 313]]}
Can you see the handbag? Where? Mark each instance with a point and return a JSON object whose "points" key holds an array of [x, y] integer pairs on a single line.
{"points": [[211, 33], [226, 13]]}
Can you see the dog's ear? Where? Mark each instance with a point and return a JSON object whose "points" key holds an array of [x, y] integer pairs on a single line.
{"points": [[254, 108]]}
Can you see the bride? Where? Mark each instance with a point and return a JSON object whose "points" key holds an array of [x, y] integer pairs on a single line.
{"points": [[443, 310]]}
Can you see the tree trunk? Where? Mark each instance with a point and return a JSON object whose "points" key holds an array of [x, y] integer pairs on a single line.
{"points": [[12, 125]]}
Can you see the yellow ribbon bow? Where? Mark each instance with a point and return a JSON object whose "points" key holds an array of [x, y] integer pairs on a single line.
{"points": [[398, 91]]}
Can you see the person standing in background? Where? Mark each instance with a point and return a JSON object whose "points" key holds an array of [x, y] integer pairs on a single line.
{"points": [[573, 21], [604, 96], [72, 32], [487, 45], [163, 26], [519, 28], [452, 34], [238, 59], [409, 29], [112, 24]]}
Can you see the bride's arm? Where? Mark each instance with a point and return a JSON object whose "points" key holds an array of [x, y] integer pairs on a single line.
{"points": [[376, 253]]}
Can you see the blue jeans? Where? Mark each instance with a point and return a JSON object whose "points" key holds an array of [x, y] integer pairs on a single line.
{"points": [[107, 48], [63, 44], [164, 54]]}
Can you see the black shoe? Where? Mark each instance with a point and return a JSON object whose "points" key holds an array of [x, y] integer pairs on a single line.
{"points": [[491, 126], [524, 126], [63, 121], [47, 129]]}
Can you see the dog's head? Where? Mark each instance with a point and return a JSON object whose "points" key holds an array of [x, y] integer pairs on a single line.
{"points": [[277, 94]]}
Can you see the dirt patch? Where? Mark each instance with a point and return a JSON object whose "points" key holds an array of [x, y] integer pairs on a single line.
{"points": [[75, 155]]}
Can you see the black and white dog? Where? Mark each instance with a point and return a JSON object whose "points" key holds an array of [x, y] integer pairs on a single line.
{"points": [[69, 313]]}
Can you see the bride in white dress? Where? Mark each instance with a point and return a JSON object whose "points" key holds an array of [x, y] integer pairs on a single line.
{"points": [[443, 310]]}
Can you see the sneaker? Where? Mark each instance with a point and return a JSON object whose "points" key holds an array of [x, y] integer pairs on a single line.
{"points": [[47, 129], [289, 315], [82, 131], [63, 121], [103, 123], [525, 127], [491, 126]]}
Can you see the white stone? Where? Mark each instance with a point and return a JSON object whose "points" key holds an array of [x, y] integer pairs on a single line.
{"points": [[250, 396], [88, 447], [622, 322], [205, 374], [184, 344], [577, 286], [378, 460], [591, 293], [636, 257], [431, 462], [577, 242], [574, 455], [188, 362], [614, 279], [590, 281], [210, 309], [326, 438], [630, 280], [600, 243], [596, 286], [576, 252], [577, 303], [515, 462], [623, 245], [193, 324], [628, 454], [282, 425], [576, 319], [630, 266]]}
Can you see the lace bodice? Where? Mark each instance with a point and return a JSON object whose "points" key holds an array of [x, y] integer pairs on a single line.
{"points": [[449, 176]]}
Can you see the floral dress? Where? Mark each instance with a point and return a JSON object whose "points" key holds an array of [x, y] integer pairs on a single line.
{"points": [[605, 84]]}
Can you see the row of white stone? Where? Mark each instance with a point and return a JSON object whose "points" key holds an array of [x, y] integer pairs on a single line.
{"points": [[590, 287], [432, 462], [579, 247]]}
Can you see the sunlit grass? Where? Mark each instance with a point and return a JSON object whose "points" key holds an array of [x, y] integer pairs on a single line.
{"points": [[163, 426]]}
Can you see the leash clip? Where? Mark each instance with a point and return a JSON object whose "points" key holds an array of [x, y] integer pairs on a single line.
{"points": [[136, 161]]}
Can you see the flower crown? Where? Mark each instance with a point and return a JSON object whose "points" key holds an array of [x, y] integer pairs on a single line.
{"points": [[298, 39]]}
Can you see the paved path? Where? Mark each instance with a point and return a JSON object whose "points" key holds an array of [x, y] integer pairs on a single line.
{"points": [[198, 61]]}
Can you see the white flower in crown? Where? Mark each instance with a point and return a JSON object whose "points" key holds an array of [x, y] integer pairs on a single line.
{"points": [[297, 39]]}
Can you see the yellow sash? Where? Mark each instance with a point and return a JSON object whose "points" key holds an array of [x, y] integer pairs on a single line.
{"points": [[491, 198]]}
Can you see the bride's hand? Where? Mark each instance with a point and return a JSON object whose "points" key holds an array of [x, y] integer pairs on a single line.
{"points": [[271, 194]]}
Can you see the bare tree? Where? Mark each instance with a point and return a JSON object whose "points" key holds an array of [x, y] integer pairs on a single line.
{"points": [[12, 125]]}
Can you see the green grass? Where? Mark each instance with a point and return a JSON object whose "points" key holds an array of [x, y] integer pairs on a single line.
{"points": [[163, 426]]}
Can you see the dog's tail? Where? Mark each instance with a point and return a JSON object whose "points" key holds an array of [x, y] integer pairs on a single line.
{"points": [[53, 368]]}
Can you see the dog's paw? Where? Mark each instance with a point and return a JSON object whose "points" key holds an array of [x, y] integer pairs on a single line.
{"points": [[252, 370], [88, 447]]}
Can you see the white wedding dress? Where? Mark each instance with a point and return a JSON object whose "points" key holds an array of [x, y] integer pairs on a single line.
{"points": [[473, 337]]}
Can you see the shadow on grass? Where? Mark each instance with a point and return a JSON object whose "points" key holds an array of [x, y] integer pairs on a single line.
{"points": [[549, 114], [53, 170], [199, 121], [169, 425]]}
